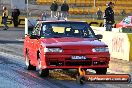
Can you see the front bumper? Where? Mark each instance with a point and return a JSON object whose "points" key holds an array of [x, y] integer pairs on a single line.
{"points": [[65, 62]]}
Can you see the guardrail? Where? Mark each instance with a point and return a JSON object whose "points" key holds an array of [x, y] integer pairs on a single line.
{"points": [[21, 21]]}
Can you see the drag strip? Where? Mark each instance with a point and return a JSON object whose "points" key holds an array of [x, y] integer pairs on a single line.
{"points": [[14, 73]]}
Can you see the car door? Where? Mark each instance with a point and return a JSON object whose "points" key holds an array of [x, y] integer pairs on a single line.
{"points": [[34, 38]]}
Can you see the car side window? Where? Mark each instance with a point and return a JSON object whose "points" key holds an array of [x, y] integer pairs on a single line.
{"points": [[124, 20], [36, 30], [127, 20]]}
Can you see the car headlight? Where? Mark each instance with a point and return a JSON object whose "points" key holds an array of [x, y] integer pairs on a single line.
{"points": [[53, 50], [100, 49]]}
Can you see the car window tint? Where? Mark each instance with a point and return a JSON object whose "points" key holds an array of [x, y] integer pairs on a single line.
{"points": [[127, 20], [36, 30], [124, 20], [68, 29]]}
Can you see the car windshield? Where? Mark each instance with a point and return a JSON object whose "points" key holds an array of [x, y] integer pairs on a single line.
{"points": [[66, 29]]}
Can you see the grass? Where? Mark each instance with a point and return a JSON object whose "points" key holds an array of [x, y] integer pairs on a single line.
{"points": [[63, 74]]}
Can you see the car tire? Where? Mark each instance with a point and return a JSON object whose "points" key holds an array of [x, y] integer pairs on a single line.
{"points": [[42, 72], [101, 71], [28, 64], [81, 80]]}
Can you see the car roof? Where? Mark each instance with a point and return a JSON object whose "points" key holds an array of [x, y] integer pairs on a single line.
{"points": [[54, 21]]}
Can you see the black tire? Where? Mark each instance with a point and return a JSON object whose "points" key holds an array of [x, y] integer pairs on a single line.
{"points": [[81, 80], [101, 71], [28, 64], [42, 72]]}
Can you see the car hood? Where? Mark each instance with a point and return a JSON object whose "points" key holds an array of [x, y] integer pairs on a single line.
{"points": [[64, 42]]}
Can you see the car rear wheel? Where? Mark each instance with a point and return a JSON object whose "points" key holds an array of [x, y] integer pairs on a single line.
{"points": [[42, 72], [28, 64], [101, 71]]}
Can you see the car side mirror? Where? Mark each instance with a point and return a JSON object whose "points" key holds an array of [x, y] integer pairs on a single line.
{"points": [[27, 35], [34, 37], [99, 36]]}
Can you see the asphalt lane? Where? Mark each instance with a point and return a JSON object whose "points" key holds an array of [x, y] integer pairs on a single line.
{"points": [[11, 33], [13, 73]]}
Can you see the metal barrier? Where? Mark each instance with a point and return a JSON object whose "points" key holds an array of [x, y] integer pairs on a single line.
{"points": [[120, 44]]}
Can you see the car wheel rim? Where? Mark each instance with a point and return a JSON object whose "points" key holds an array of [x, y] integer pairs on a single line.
{"points": [[27, 61], [39, 64]]}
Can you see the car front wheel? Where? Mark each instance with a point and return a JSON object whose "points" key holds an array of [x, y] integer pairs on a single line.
{"points": [[42, 72], [28, 64]]}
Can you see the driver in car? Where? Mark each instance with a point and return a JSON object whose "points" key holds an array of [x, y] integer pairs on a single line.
{"points": [[47, 31]]}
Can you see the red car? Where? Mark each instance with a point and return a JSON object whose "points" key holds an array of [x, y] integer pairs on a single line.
{"points": [[65, 45], [125, 23]]}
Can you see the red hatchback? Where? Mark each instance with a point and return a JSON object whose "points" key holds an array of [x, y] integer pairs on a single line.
{"points": [[65, 45], [125, 23]]}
